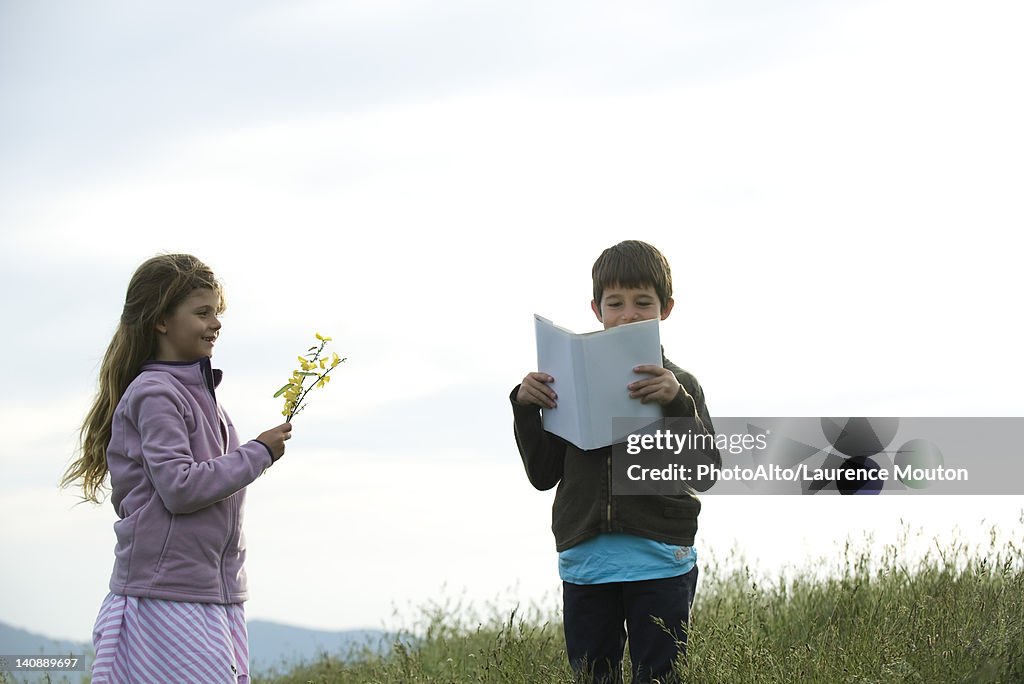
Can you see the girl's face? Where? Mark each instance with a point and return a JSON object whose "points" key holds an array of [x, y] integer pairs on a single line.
{"points": [[190, 331]]}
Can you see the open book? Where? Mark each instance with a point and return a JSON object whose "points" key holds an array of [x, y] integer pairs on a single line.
{"points": [[591, 371]]}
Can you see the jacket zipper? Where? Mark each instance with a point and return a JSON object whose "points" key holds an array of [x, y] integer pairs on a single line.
{"points": [[224, 552], [223, 431], [232, 500], [609, 493], [221, 427]]}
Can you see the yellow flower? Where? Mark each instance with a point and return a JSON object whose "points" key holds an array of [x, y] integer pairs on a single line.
{"points": [[310, 365]]}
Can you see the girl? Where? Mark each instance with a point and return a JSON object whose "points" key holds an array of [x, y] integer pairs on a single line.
{"points": [[177, 478]]}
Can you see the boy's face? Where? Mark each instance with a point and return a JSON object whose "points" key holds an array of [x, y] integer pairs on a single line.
{"points": [[620, 305]]}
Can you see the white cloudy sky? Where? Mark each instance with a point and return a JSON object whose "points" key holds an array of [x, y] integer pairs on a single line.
{"points": [[837, 186]]}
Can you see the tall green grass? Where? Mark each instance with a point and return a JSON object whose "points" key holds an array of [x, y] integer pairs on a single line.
{"points": [[955, 615], [452, 642]]}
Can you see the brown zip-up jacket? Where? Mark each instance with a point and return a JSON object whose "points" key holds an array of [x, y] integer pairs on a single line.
{"points": [[584, 505]]}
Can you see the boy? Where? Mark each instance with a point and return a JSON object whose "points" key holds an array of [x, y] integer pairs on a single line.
{"points": [[621, 558]]}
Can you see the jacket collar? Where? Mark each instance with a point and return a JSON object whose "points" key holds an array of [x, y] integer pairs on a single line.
{"points": [[198, 372]]}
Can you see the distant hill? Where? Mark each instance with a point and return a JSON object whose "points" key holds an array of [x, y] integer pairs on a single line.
{"points": [[276, 646], [272, 646]]}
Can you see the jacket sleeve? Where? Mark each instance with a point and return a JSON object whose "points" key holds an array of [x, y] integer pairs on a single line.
{"points": [[543, 454], [183, 483], [689, 403]]}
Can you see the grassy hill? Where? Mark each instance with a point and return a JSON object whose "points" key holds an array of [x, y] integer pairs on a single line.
{"points": [[951, 618]]}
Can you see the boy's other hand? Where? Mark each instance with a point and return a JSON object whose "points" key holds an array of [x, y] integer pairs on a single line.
{"points": [[534, 390], [662, 388]]}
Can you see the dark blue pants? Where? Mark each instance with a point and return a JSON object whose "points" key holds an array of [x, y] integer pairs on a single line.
{"points": [[594, 614]]}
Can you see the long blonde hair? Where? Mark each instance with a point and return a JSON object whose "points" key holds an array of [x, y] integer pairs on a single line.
{"points": [[158, 286]]}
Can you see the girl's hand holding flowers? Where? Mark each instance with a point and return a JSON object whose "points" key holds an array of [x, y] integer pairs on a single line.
{"points": [[275, 438]]}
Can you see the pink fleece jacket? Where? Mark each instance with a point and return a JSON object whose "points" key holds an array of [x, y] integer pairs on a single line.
{"points": [[178, 478]]}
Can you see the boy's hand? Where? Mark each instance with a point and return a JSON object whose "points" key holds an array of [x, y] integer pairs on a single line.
{"points": [[662, 388], [534, 390]]}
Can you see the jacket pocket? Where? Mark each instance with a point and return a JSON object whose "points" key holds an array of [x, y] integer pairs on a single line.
{"points": [[163, 547], [682, 507]]}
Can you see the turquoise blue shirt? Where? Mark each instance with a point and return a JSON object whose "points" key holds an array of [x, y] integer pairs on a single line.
{"points": [[619, 557]]}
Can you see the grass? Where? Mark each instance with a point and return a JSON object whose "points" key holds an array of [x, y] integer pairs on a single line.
{"points": [[952, 619], [954, 616], [450, 642]]}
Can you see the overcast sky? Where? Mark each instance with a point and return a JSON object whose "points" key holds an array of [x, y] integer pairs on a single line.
{"points": [[836, 185]]}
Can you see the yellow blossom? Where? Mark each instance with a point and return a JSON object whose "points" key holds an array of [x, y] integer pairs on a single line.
{"points": [[312, 366]]}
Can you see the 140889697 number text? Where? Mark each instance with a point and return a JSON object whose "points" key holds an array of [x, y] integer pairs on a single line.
{"points": [[38, 663]]}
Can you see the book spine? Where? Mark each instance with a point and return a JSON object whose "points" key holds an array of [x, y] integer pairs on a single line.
{"points": [[579, 370]]}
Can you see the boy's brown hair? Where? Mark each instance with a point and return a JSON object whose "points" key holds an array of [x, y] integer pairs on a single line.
{"points": [[633, 263]]}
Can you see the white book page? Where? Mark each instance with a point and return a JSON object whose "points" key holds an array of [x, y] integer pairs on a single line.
{"points": [[591, 372], [555, 357], [609, 359]]}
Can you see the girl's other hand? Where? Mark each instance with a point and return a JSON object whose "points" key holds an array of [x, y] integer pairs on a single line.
{"points": [[275, 438]]}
